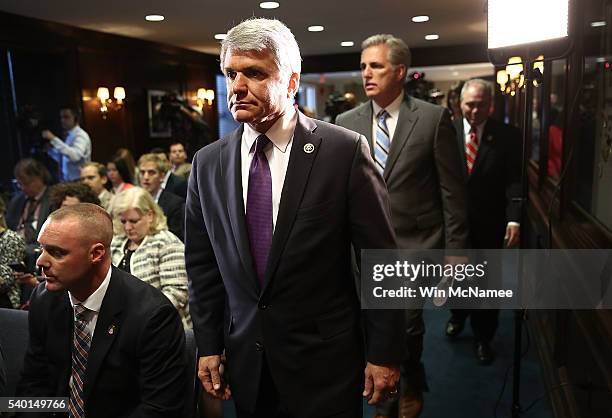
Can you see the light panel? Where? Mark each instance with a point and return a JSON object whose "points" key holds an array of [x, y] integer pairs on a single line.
{"points": [[540, 20]]}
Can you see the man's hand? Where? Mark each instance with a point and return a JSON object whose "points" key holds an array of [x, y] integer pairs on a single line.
{"points": [[513, 235], [210, 372], [47, 134], [381, 382]]}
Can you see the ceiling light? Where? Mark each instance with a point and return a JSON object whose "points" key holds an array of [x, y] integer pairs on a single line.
{"points": [[598, 24], [154, 18], [432, 37], [269, 5], [316, 28], [220, 36], [420, 19], [347, 43]]}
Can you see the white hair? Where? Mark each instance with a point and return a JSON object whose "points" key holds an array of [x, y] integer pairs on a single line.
{"points": [[484, 84], [259, 35]]}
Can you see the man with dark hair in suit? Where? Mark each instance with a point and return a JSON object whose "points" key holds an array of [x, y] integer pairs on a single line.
{"points": [[412, 143], [109, 342], [172, 182], [490, 153], [152, 171], [272, 212], [178, 159]]}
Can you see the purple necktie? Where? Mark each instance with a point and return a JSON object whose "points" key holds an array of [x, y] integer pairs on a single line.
{"points": [[259, 208]]}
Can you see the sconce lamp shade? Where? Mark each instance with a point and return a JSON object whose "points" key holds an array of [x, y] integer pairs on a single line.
{"points": [[103, 94], [546, 20], [210, 95], [201, 94], [119, 93], [514, 67]]}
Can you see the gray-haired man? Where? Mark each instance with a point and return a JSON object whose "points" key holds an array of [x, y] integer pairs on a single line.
{"points": [[272, 212], [413, 145]]}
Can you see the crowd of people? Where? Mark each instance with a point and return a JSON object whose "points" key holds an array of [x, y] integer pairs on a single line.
{"points": [[257, 254]]}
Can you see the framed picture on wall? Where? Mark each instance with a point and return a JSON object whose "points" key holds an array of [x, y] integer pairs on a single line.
{"points": [[158, 126]]}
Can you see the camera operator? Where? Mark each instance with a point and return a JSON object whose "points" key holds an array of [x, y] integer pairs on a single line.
{"points": [[75, 150]]}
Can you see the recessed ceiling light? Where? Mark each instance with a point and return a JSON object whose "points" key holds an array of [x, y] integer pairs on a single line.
{"points": [[455, 73], [432, 37], [347, 43], [316, 28], [220, 36], [269, 5], [598, 24], [420, 19], [154, 18]]}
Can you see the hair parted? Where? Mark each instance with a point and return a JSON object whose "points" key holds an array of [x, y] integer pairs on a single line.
{"points": [[399, 53], [259, 34]]}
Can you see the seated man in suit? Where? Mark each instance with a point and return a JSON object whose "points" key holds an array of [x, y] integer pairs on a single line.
{"points": [[152, 171], [109, 342], [29, 208], [172, 182], [178, 158]]}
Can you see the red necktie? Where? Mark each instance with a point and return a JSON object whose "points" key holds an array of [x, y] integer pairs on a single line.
{"points": [[471, 149]]}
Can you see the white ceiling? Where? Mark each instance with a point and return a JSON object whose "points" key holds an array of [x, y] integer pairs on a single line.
{"points": [[192, 23]]}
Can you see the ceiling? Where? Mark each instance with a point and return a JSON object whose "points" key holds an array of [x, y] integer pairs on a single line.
{"points": [[192, 23]]}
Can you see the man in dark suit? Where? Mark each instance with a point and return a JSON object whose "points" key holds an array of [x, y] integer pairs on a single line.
{"points": [[152, 170], [172, 182], [413, 145], [490, 152], [28, 210], [272, 211], [111, 343]]}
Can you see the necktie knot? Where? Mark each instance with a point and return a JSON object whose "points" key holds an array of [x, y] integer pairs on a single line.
{"points": [[261, 143], [80, 312], [382, 116]]}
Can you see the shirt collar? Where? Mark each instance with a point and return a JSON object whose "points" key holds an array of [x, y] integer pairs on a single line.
{"points": [[94, 301], [40, 195], [280, 134], [393, 109], [467, 127], [163, 183]]}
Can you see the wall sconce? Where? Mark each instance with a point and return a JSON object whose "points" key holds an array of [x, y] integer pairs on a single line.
{"points": [[106, 102], [204, 95]]}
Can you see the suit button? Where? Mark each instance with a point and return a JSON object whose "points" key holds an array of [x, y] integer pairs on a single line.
{"points": [[258, 346]]}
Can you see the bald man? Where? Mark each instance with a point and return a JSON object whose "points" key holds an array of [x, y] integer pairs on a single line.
{"points": [[109, 342]]}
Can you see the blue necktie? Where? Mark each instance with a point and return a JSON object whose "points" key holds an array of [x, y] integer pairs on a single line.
{"points": [[259, 208], [382, 142]]}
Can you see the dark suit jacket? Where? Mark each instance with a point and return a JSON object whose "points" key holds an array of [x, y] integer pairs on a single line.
{"points": [[423, 174], [135, 371], [177, 185], [174, 209], [306, 319], [493, 183], [16, 206]]}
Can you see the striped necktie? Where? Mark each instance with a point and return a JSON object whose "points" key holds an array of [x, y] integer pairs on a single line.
{"points": [[471, 149], [80, 349], [383, 140]]}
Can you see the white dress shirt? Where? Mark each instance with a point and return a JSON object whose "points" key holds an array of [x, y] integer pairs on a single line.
{"points": [[93, 302], [393, 110], [277, 153], [71, 153]]}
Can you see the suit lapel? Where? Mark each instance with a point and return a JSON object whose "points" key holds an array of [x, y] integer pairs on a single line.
{"points": [[232, 174], [363, 124], [461, 145], [405, 124], [298, 172], [62, 328], [107, 327]]}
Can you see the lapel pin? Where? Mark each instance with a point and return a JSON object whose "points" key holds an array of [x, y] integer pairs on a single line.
{"points": [[112, 329], [309, 148]]}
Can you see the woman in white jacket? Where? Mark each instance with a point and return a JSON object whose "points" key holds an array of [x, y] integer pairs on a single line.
{"points": [[144, 247]]}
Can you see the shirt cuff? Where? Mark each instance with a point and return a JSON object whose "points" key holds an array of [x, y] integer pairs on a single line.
{"points": [[514, 224], [56, 142]]}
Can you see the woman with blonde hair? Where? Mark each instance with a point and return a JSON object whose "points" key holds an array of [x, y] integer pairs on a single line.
{"points": [[144, 247]]}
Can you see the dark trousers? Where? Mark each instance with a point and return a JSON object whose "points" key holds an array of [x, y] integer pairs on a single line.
{"points": [[270, 405], [483, 321]]}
